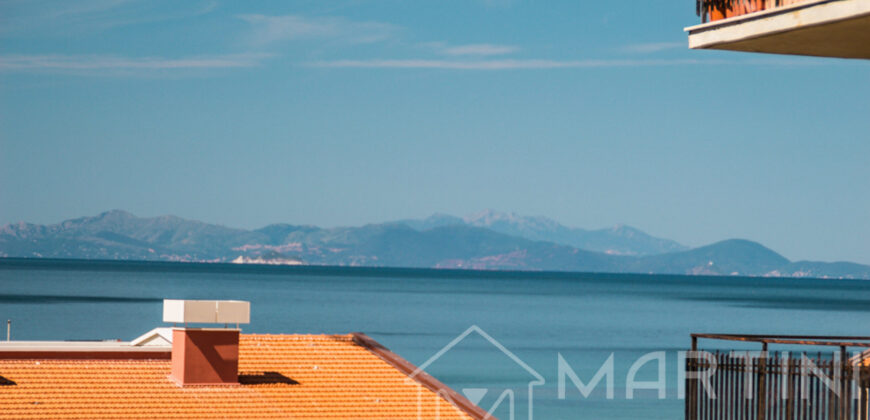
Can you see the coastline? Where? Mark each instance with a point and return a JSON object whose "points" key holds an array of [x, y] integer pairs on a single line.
{"points": [[374, 271]]}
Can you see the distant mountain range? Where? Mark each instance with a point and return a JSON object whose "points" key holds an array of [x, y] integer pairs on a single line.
{"points": [[489, 240], [618, 240]]}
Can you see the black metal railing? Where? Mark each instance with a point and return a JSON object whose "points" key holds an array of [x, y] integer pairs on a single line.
{"points": [[760, 385]]}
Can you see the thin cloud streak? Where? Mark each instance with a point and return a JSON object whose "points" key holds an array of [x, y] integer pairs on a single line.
{"points": [[60, 18], [654, 47], [270, 29], [480, 49], [102, 62], [529, 64]]}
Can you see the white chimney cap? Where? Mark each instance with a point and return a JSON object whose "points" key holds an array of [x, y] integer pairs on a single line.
{"points": [[207, 311]]}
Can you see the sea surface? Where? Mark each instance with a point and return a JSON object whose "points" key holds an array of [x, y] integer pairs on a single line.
{"points": [[539, 318]]}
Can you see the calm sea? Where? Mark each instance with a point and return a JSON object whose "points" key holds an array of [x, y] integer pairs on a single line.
{"points": [[539, 317]]}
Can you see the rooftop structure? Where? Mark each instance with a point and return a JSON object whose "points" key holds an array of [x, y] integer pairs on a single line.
{"points": [[186, 374], [824, 28]]}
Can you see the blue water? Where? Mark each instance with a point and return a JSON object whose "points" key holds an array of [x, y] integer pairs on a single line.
{"points": [[537, 316]]}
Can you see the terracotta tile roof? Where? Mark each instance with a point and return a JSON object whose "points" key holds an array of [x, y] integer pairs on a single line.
{"points": [[281, 376]]}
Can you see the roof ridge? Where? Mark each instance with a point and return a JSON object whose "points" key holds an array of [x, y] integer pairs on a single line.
{"points": [[346, 337], [421, 377]]}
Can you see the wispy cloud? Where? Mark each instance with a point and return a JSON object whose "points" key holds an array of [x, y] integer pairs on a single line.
{"points": [[270, 29], [61, 17], [104, 63], [653, 47], [472, 49], [528, 64]]}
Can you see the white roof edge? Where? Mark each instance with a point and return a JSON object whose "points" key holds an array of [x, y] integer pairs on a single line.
{"points": [[156, 340], [756, 15], [157, 336], [774, 21], [73, 346]]}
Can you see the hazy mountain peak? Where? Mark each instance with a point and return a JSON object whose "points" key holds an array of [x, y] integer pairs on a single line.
{"points": [[115, 213], [489, 218], [441, 217], [728, 257], [618, 240], [106, 216], [490, 215], [746, 247], [627, 231], [434, 221]]}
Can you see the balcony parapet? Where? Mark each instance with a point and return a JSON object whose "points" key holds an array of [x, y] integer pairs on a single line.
{"points": [[821, 28], [713, 10]]}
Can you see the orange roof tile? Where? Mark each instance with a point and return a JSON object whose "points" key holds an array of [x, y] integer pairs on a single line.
{"points": [[281, 376]]}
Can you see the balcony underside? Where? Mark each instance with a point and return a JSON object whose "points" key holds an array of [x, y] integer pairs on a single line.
{"points": [[824, 28]]}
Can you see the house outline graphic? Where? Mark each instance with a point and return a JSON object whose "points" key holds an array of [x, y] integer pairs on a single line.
{"points": [[507, 394]]}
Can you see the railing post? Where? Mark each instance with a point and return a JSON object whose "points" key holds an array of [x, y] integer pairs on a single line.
{"points": [[834, 399], [843, 398], [790, 385], [689, 390], [761, 392], [863, 400], [691, 385]]}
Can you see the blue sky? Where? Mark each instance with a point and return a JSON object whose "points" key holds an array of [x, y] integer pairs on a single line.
{"points": [[349, 112]]}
